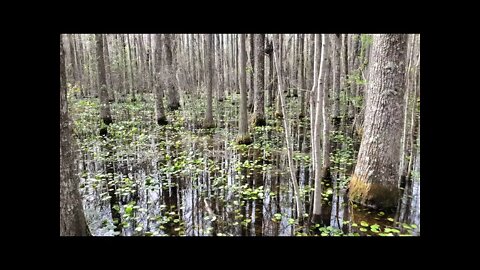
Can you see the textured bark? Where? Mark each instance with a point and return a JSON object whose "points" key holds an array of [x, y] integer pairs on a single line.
{"points": [[313, 95], [73, 60], [271, 78], [243, 136], [325, 173], [208, 123], [72, 217], [374, 182], [160, 111], [172, 93], [258, 111], [277, 52], [104, 105], [319, 86]]}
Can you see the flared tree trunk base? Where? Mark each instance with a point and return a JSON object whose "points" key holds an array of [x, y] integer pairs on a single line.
{"points": [[373, 195]]}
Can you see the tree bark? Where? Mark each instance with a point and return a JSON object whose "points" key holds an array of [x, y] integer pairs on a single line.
{"points": [[320, 87], [102, 79], [173, 99], [258, 111], [160, 111], [243, 136], [374, 182], [72, 217], [277, 50], [209, 61]]}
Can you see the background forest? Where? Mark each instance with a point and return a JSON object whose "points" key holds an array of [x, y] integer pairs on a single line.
{"points": [[240, 134]]}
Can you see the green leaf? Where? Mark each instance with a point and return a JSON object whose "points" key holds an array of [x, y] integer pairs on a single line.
{"points": [[139, 228], [363, 223], [363, 229], [390, 219]]}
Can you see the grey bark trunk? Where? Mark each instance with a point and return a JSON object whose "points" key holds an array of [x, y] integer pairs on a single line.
{"points": [[72, 217], [258, 111], [173, 99], [104, 105], [160, 111], [374, 182], [243, 136], [209, 76]]}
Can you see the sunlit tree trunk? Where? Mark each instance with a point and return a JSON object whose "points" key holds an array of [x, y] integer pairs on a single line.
{"points": [[251, 74], [258, 111], [375, 179], [243, 136], [130, 58], [72, 217], [219, 71], [320, 88]]}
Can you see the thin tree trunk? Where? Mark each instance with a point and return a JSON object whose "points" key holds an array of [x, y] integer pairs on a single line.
{"points": [[277, 50], [320, 87]]}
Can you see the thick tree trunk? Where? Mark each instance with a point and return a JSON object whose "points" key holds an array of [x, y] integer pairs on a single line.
{"points": [[160, 111], [243, 136], [251, 90], [374, 182], [173, 99], [209, 60], [104, 105], [72, 217], [258, 111]]}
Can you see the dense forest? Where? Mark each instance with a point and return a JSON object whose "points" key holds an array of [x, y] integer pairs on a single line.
{"points": [[240, 135]]}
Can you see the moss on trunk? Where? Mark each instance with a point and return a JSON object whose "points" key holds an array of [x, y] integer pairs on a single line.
{"points": [[378, 196]]}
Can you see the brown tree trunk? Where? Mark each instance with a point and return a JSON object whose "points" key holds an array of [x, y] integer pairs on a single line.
{"points": [[374, 182], [72, 217]]}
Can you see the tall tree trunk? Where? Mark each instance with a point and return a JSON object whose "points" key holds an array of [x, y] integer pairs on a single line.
{"points": [[258, 111], [251, 74], [160, 111], [243, 136], [209, 60], [104, 105], [72, 217], [220, 80], [375, 179], [320, 88], [278, 63], [336, 81], [173, 99], [301, 77], [111, 96], [73, 61], [132, 85]]}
